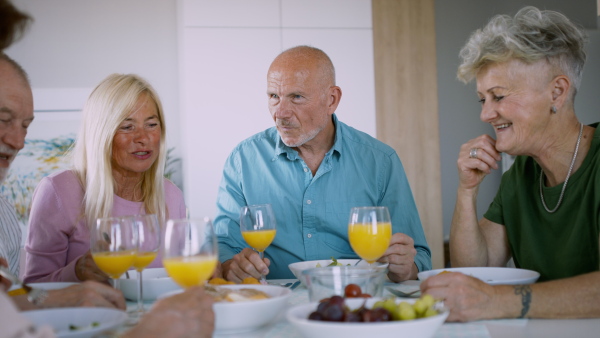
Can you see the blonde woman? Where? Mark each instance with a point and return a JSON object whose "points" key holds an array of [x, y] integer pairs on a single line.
{"points": [[118, 164]]}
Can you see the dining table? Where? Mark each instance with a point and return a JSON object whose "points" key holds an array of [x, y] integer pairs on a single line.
{"points": [[500, 328]]}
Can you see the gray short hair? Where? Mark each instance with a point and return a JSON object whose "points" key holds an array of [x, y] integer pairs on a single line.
{"points": [[530, 36], [16, 66]]}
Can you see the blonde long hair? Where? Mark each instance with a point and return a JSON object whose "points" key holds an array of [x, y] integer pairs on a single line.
{"points": [[107, 107]]}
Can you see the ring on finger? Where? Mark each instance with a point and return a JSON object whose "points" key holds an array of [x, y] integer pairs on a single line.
{"points": [[473, 153]]}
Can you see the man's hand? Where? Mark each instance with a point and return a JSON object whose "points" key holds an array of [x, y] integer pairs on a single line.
{"points": [[245, 264], [401, 258], [187, 314], [4, 283], [86, 269], [218, 271]]}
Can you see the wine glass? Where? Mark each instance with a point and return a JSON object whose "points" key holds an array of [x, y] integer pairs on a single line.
{"points": [[258, 227], [369, 232], [148, 243], [190, 251], [113, 244]]}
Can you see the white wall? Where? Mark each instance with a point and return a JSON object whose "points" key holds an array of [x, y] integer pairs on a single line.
{"points": [[226, 49], [218, 51], [76, 44]]}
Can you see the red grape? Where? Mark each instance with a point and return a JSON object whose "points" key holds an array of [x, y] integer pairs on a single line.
{"points": [[315, 316], [334, 313]]}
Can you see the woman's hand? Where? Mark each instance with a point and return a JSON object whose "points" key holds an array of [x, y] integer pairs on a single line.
{"points": [[86, 269], [88, 294], [466, 297], [476, 159]]}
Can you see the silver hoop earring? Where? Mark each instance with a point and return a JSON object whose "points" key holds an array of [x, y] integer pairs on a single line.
{"points": [[553, 109]]}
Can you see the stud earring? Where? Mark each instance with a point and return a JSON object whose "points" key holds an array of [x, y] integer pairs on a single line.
{"points": [[553, 109]]}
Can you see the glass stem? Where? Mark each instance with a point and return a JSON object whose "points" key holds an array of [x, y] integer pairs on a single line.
{"points": [[115, 283], [263, 278], [140, 302]]}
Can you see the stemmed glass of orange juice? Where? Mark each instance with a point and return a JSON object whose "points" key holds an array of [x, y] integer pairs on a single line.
{"points": [[258, 226], [190, 251], [369, 232], [113, 244], [148, 243]]}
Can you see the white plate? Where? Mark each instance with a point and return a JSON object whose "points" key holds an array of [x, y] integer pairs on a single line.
{"points": [[237, 317], [61, 318], [45, 286], [417, 328], [51, 286], [298, 267], [156, 282], [493, 276]]}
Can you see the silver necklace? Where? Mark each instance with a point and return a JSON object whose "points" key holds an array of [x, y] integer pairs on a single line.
{"points": [[562, 192]]}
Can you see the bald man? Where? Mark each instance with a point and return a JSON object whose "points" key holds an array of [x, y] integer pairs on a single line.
{"points": [[313, 169]]}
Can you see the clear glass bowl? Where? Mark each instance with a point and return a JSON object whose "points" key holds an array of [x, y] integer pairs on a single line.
{"points": [[330, 281]]}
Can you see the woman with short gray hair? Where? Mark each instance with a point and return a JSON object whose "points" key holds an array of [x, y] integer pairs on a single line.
{"points": [[545, 215]]}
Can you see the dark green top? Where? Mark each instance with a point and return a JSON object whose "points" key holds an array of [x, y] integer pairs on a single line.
{"points": [[558, 245]]}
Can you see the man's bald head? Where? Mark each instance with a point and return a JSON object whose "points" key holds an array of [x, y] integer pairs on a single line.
{"points": [[306, 57]]}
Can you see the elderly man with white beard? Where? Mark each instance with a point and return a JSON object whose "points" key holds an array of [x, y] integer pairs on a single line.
{"points": [[16, 114]]}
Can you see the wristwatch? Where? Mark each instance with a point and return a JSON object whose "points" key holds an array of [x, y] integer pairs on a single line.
{"points": [[37, 296]]}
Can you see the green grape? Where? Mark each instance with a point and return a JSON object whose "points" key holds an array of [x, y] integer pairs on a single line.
{"points": [[428, 300], [390, 304], [405, 311], [430, 312], [420, 307]]}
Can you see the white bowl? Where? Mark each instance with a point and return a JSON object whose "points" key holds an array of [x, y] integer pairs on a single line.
{"points": [[156, 282], [237, 317], [60, 319], [298, 267], [492, 276], [417, 328]]}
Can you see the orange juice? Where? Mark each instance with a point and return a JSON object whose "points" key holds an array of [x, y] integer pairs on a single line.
{"points": [[370, 241], [190, 271], [114, 263], [259, 240], [143, 259]]}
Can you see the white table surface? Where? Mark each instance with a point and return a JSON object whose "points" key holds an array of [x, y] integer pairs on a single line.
{"points": [[503, 328]]}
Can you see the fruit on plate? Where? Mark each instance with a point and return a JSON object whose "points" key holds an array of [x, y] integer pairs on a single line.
{"points": [[334, 309], [421, 308], [221, 281]]}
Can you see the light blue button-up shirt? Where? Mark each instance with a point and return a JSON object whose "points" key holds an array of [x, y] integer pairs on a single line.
{"points": [[312, 212]]}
